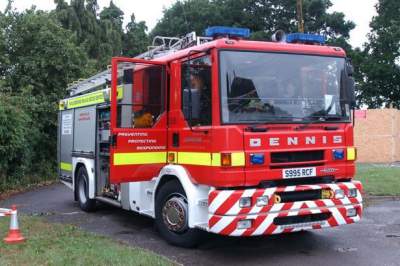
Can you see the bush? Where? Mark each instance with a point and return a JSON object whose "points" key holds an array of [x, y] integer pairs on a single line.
{"points": [[22, 143], [38, 58]]}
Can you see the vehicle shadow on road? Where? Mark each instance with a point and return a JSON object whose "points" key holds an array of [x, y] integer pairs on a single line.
{"points": [[139, 231]]}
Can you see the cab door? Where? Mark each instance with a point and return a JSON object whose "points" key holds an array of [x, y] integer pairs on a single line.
{"points": [[190, 130], [138, 142]]}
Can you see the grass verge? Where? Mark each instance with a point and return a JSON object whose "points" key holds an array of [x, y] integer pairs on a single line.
{"points": [[379, 179], [56, 244]]}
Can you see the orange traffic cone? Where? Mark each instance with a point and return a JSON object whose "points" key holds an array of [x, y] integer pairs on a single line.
{"points": [[14, 234]]}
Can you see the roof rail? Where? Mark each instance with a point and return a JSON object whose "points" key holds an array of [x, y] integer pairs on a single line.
{"points": [[161, 46]]}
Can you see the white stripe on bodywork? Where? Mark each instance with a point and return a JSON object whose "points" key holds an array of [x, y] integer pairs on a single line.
{"points": [[219, 200], [222, 223], [313, 207], [268, 220], [290, 188], [337, 216], [294, 210]]}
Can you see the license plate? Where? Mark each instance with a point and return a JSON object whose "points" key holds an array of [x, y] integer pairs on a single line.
{"points": [[299, 172]]}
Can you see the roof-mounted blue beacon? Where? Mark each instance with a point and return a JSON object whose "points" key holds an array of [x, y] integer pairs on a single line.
{"points": [[305, 38], [230, 32]]}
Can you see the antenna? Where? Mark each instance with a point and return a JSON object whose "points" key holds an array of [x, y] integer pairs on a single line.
{"points": [[300, 19]]}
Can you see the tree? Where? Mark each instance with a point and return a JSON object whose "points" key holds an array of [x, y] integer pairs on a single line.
{"points": [[82, 20], [380, 73], [38, 59], [40, 53], [100, 34], [135, 39], [110, 44], [263, 17]]}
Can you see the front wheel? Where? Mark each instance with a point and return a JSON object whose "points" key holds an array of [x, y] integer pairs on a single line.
{"points": [[172, 216], [85, 203]]}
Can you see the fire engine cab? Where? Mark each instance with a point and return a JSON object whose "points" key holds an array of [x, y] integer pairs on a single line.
{"points": [[218, 134]]}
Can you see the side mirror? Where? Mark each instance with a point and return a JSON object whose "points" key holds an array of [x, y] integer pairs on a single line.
{"points": [[351, 92], [350, 84], [349, 69]]}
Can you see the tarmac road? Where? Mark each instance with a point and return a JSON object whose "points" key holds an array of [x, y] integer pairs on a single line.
{"points": [[374, 241]]}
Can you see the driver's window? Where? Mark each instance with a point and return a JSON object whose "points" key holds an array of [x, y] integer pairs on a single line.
{"points": [[196, 91]]}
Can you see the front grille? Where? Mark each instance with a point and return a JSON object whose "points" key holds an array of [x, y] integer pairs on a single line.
{"points": [[299, 195], [298, 181], [297, 156], [302, 219]]}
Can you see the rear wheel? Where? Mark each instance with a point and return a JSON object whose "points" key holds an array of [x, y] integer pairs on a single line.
{"points": [[86, 204], [172, 216]]}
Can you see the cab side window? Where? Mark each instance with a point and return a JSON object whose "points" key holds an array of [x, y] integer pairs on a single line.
{"points": [[196, 91]]}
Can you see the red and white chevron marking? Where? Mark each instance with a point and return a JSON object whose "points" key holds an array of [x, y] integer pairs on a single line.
{"points": [[5, 212], [224, 210]]}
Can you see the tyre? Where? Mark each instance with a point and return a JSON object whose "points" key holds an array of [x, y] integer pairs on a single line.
{"points": [[86, 204], [172, 216]]}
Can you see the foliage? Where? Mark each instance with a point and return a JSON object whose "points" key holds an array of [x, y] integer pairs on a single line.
{"points": [[14, 138], [135, 40], [380, 68], [262, 17], [39, 58], [101, 34], [40, 53]]}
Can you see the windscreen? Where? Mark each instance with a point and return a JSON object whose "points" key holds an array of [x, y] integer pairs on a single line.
{"points": [[259, 87]]}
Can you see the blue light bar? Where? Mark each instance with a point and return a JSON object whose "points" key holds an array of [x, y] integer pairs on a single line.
{"points": [[218, 31], [305, 38]]}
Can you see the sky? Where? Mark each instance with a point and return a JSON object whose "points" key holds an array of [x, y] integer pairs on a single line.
{"points": [[150, 11]]}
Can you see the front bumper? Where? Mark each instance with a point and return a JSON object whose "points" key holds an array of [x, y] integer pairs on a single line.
{"points": [[281, 217]]}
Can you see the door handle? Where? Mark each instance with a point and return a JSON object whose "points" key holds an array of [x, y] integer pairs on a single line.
{"points": [[113, 140], [175, 139]]}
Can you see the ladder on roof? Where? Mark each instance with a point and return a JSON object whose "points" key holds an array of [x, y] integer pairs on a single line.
{"points": [[161, 46]]}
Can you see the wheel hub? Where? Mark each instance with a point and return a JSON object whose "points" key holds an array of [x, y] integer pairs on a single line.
{"points": [[174, 214]]}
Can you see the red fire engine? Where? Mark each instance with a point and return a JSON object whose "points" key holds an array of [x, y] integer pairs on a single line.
{"points": [[218, 134]]}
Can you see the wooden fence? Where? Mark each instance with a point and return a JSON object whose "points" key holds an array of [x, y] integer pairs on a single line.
{"points": [[377, 135]]}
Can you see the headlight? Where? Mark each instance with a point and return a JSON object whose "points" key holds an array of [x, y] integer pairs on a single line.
{"points": [[262, 201], [352, 193], [245, 202], [243, 224], [351, 212], [339, 193]]}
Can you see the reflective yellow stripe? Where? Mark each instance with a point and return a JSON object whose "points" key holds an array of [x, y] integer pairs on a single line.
{"points": [[216, 159], [66, 166], [194, 158], [140, 158], [238, 159], [187, 158], [89, 99]]}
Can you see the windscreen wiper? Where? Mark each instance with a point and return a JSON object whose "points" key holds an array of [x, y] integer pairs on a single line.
{"points": [[319, 119]]}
